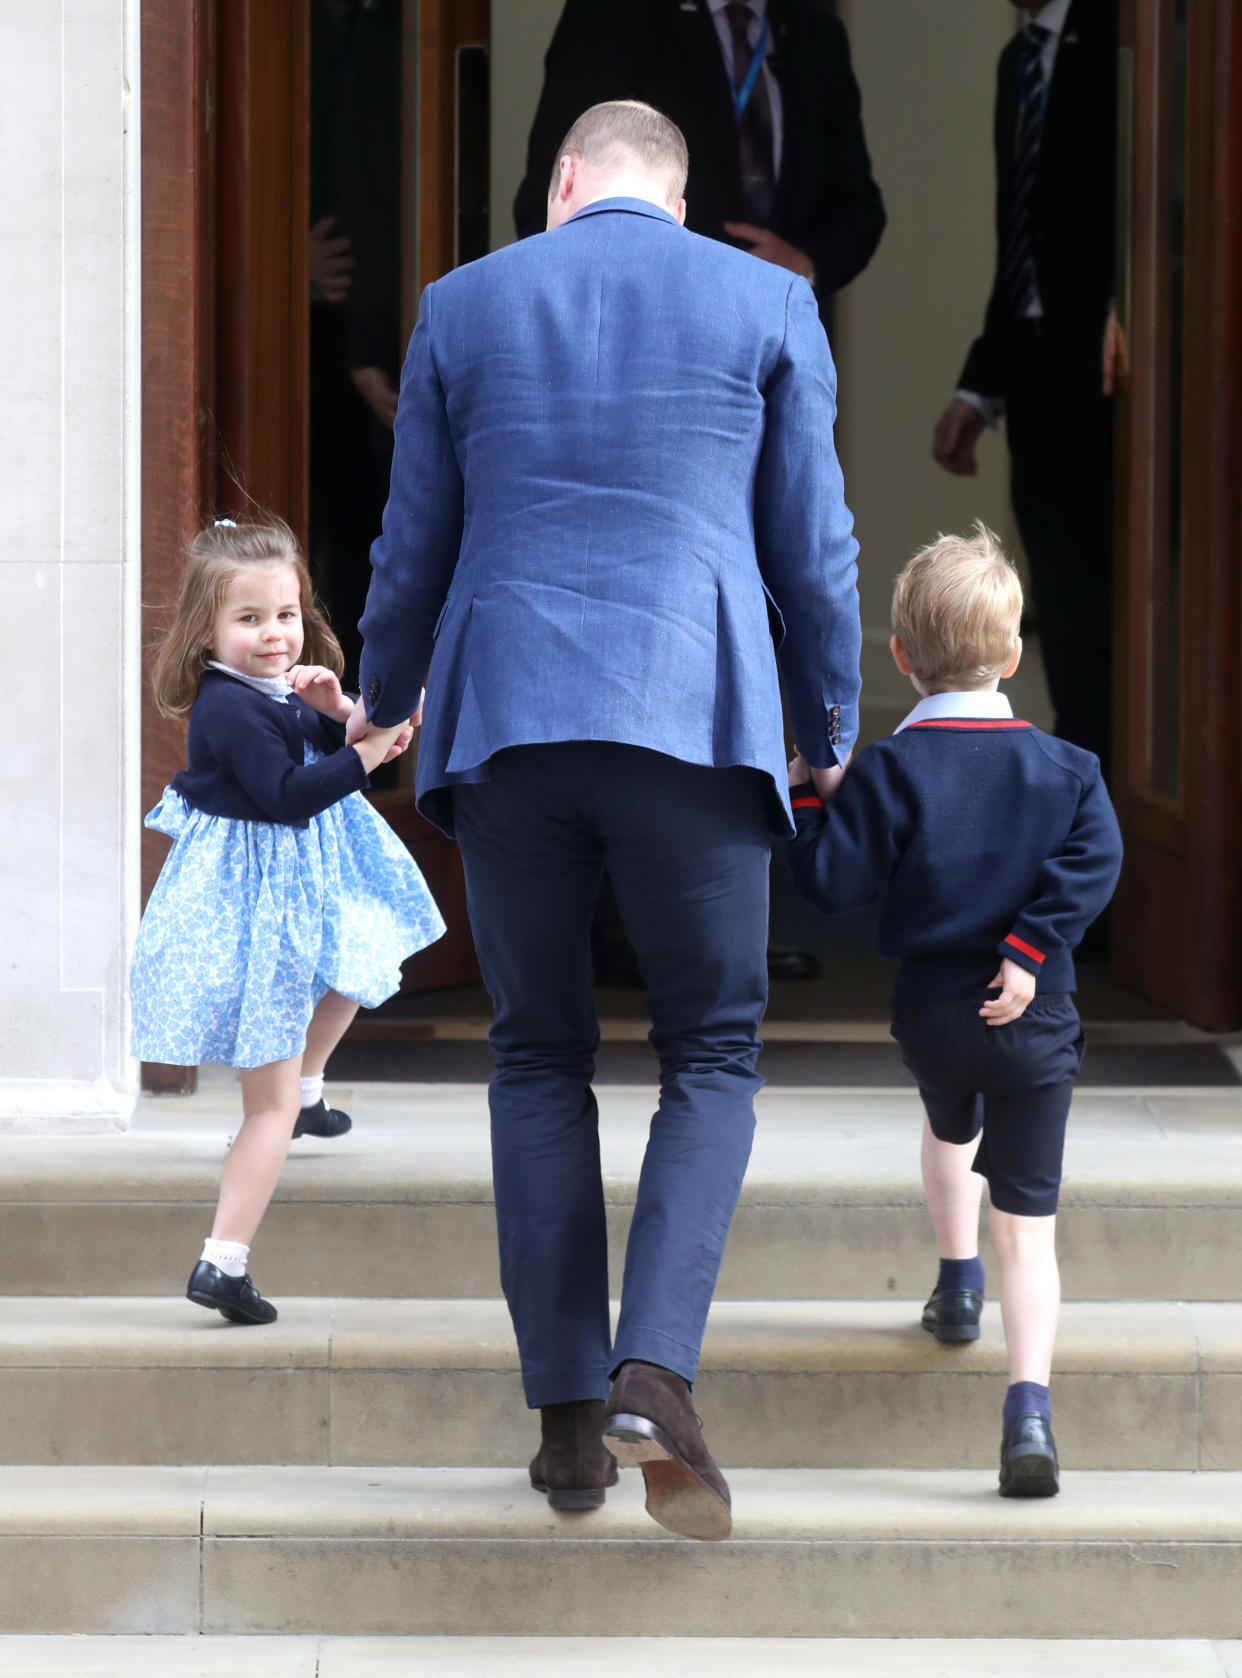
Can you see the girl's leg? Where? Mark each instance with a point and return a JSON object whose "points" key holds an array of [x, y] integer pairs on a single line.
{"points": [[953, 1193], [1030, 1292], [328, 1024], [252, 1167]]}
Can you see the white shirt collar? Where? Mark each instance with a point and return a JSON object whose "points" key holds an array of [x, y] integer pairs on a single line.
{"points": [[756, 6], [984, 704], [277, 686], [1052, 16]]}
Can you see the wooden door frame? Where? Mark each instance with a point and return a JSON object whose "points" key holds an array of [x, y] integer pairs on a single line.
{"points": [[1178, 913]]}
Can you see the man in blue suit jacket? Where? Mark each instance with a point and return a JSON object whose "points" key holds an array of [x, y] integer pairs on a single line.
{"points": [[614, 495]]}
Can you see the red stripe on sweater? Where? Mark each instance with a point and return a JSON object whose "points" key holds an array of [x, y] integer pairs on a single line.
{"points": [[1027, 949], [970, 722], [807, 804]]}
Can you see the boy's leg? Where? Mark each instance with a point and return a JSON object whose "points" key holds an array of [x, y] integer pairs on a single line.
{"points": [[1030, 1292], [954, 1192]]}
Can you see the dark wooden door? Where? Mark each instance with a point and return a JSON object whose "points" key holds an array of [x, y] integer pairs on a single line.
{"points": [[1176, 921]]}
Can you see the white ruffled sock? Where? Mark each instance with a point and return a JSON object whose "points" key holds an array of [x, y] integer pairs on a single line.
{"points": [[312, 1089], [228, 1256]]}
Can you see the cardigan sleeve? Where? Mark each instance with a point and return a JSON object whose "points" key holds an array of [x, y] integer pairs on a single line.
{"points": [[1073, 887], [250, 742], [844, 853]]}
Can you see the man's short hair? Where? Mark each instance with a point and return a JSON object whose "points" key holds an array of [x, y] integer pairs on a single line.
{"points": [[957, 606], [626, 132]]}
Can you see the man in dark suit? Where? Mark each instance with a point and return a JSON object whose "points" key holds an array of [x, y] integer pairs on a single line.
{"points": [[609, 504], [1038, 361], [786, 176]]}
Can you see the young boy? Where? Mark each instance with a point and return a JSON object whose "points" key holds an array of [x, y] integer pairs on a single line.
{"points": [[987, 842]]}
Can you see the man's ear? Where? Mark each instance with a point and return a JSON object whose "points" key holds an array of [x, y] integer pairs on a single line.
{"points": [[899, 656], [680, 211]]}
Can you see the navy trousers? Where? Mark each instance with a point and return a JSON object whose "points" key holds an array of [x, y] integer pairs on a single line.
{"points": [[686, 849]]}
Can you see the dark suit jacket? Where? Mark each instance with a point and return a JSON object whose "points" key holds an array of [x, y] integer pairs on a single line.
{"points": [[1071, 205], [658, 50]]}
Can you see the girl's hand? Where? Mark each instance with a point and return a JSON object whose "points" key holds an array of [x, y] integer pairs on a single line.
{"points": [[320, 689], [376, 747]]}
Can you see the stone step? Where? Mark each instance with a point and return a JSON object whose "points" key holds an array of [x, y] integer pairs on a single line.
{"points": [[832, 1206], [464, 1552], [617, 1657], [823, 1384]]}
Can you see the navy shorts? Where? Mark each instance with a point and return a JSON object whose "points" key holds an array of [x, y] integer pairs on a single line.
{"points": [[1014, 1082]]}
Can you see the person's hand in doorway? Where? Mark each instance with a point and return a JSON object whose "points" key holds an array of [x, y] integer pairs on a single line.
{"points": [[953, 441], [771, 247], [331, 265], [1116, 353], [377, 391]]}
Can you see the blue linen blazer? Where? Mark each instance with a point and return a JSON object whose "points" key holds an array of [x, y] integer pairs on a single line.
{"points": [[614, 496]]}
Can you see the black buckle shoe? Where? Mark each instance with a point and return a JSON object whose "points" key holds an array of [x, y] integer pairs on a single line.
{"points": [[1028, 1460], [952, 1314], [234, 1297], [322, 1120]]}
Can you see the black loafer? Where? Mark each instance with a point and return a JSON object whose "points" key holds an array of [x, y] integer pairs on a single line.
{"points": [[952, 1314], [322, 1120], [1028, 1460], [234, 1297]]}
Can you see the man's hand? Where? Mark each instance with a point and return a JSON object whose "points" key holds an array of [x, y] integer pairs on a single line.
{"points": [[357, 725], [1017, 987], [953, 441], [331, 266], [377, 391], [321, 690], [771, 247], [1116, 353], [359, 729]]}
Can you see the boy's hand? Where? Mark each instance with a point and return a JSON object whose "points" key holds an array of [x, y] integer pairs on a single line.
{"points": [[320, 689], [1017, 987], [799, 770]]}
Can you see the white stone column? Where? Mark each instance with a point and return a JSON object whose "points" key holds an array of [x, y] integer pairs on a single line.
{"points": [[69, 559]]}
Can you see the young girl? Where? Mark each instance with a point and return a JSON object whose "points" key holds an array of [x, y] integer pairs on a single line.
{"points": [[286, 901]]}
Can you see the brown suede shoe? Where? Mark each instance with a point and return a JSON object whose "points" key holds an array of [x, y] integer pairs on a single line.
{"points": [[571, 1465], [649, 1420]]}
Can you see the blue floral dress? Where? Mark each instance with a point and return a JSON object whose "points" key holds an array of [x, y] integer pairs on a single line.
{"points": [[251, 923]]}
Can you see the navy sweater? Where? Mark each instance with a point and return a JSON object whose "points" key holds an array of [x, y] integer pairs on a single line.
{"points": [[246, 751], [980, 838]]}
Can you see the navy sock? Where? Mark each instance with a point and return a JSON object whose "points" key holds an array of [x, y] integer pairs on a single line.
{"points": [[961, 1273], [1025, 1396]]}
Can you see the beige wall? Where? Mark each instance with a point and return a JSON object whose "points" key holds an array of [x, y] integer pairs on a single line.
{"points": [[902, 329]]}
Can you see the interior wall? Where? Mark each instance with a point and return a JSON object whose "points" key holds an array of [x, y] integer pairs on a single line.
{"points": [[927, 74]]}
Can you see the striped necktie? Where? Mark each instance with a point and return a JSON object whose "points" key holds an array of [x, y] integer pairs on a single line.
{"points": [[754, 129], [1018, 262]]}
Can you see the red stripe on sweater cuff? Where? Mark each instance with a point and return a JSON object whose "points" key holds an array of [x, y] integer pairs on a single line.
{"points": [[1027, 949], [807, 804]]}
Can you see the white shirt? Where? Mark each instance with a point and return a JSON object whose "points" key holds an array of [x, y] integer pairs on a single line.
{"points": [[717, 9], [1052, 18], [277, 686], [982, 704]]}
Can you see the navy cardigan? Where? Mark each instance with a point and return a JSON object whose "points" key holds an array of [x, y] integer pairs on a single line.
{"points": [[246, 752], [981, 838]]}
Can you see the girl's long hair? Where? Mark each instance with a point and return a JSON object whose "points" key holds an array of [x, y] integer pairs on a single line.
{"points": [[214, 557]]}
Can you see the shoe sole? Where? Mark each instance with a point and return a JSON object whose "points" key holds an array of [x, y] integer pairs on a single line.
{"points": [[677, 1499], [575, 1497], [1033, 1475], [229, 1315], [953, 1334], [326, 1135]]}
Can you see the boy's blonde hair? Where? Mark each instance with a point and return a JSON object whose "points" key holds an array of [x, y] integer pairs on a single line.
{"points": [[214, 557], [956, 609]]}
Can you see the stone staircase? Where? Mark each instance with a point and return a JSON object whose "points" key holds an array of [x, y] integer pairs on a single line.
{"points": [[344, 1494]]}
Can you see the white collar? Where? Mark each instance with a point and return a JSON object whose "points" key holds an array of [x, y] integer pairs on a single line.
{"points": [[277, 686], [1052, 16], [755, 7], [985, 704]]}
